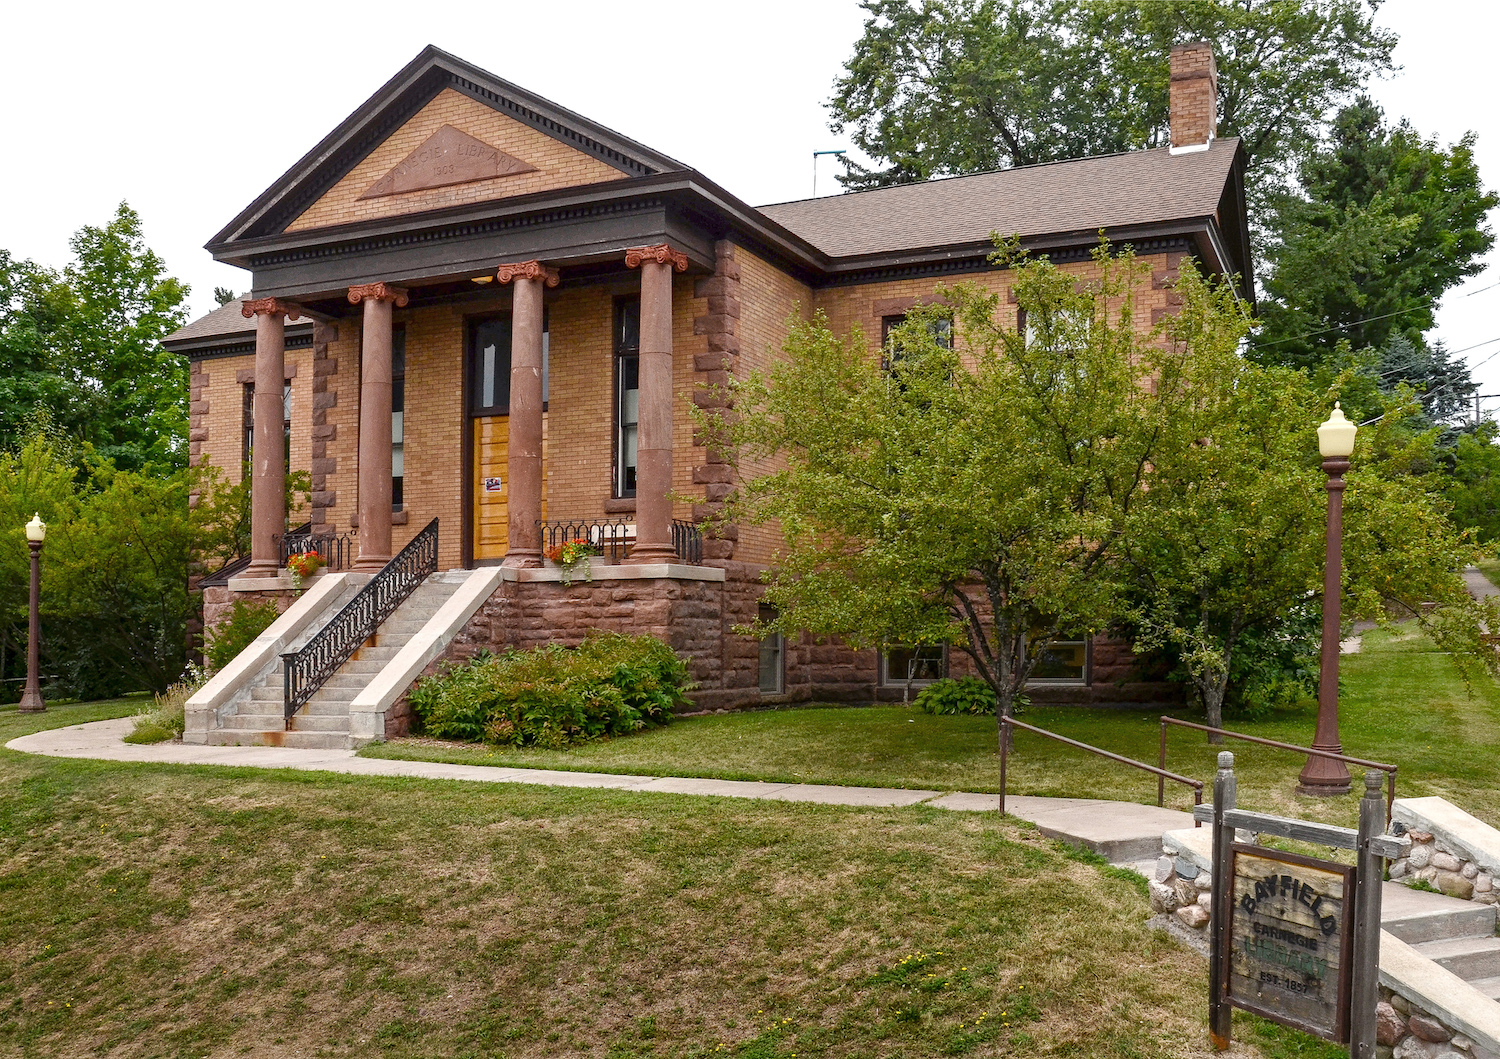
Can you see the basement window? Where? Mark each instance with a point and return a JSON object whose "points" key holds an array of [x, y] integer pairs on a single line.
{"points": [[915, 665]]}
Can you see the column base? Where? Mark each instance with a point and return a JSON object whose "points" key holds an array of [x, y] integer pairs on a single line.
{"points": [[1324, 777], [523, 560], [642, 554], [262, 568], [30, 704], [372, 564]]}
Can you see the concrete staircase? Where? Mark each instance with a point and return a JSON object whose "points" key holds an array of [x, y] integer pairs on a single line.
{"points": [[324, 723], [1456, 935]]}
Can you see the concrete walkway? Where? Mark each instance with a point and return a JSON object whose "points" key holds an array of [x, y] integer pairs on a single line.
{"points": [[1121, 831]]}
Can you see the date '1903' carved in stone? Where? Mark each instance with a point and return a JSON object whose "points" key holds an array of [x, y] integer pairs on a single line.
{"points": [[447, 157]]}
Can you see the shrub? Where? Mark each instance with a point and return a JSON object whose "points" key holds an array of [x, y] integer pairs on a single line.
{"points": [[247, 620], [167, 716], [967, 695], [555, 696]]}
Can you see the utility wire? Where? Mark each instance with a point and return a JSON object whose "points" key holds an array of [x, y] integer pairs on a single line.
{"points": [[1371, 319]]}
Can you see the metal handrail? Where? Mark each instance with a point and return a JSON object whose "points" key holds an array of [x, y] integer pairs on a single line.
{"points": [[1162, 775], [1388, 769], [309, 667]]}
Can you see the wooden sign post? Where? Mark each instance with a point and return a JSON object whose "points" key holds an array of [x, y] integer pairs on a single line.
{"points": [[1296, 939]]}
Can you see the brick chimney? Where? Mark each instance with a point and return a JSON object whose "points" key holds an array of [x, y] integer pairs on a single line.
{"points": [[1193, 99]]}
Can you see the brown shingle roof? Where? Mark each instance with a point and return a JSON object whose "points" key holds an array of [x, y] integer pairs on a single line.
{"points": [[1085, 194], [223, 322]]}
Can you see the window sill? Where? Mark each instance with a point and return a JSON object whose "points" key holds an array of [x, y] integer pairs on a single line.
{"points": [[624, 505]]}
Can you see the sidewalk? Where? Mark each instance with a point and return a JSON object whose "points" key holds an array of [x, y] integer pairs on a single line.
{"points": [[1120, 831]]}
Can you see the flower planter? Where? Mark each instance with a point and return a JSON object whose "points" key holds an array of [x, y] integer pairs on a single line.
{"points": [[582, 570]]}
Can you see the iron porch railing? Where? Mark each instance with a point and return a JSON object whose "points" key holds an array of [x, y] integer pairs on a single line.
{"points": [[614, 538], [337, 550], [309, 667]]}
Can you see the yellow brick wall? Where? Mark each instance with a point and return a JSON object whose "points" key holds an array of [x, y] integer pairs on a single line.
{"points": [[224, 446], [768, 298], [556, 165]]}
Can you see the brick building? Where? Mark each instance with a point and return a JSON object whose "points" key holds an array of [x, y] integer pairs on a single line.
{"points": [[472, 305]]}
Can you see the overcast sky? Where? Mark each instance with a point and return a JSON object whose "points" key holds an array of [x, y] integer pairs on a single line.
{"points": [[188, 111]]}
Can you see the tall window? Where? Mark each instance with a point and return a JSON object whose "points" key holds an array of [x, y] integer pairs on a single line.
{"points": [[398, 417], [627, 393], [247, 425], [489, 389], [941, 330], [772, 658]]}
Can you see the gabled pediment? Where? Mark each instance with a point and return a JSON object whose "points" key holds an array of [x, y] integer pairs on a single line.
{"points": [[392, 155]]}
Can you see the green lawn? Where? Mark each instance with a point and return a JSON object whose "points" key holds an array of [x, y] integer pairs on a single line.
{"points": [[196, 911], [1402, 702]]}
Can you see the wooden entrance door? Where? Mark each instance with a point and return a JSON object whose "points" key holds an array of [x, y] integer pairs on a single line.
{"points": [[488, 411]]}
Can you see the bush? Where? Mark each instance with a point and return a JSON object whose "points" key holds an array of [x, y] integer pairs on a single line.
{"points": [[247, 620], [969, 695], [555, 696], [167, 716]]}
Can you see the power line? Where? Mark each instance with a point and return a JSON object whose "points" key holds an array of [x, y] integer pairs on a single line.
{"points": [[1383, 316]]}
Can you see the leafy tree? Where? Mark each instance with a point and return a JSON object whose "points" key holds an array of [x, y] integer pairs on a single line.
{"points": [[1236, 547], [1383, 224], [81, 348], [224, 295], [975, 496], [1471, 483], [943, 87], [114, 571]]}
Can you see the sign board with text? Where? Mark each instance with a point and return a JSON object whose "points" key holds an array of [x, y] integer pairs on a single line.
{"points": [[1291, 939]]}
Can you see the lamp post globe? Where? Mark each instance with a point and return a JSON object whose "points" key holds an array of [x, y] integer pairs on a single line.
{"points": [[1323, 775], [31, 697]]}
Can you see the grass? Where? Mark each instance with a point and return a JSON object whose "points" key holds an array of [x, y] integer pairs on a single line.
{"points": [[189, 911], [1402, 702]]}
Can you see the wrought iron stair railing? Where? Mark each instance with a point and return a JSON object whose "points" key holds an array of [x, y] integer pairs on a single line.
{"points": [[309, 667]]}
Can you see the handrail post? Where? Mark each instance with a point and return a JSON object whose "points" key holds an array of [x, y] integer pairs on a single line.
{"points": [[1161, 763], [1197, 801], [1390, 796], [1004, 755], [1365, 991], [1219, 1011]]}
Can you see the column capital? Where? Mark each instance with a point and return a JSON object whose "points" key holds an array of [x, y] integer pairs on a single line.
{"points": [[255, 306], [378, 292], [661, 254], [528, 270]]}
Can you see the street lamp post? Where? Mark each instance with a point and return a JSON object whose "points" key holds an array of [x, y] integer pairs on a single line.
{"points": [[1325, 775], [31, 698]]}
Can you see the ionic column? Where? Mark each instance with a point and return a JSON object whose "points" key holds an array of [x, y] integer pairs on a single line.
{"points": [[653, 474], [524, 448], [268, 453], [375, 422]]}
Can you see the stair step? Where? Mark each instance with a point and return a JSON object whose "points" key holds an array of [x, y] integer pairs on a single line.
{"points": [[316, 740], [324, 708], [402, 627], [268, 694], [328, 694], [1490, 987], [302, 722], [345, 679], [1469, 958], [1416, 916], [362, 666], [255, 722], [376, 654]]}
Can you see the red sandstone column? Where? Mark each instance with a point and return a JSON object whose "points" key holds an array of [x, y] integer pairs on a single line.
{"points": [[524, 444], [653, 475], [375, 422], [268, 457]]}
